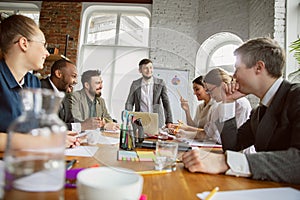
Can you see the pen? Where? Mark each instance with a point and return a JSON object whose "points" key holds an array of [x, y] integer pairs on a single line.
{"points": [[82, 134], [70, 164], [179, 125], [153, 172], [178, 92], [212, 193]]}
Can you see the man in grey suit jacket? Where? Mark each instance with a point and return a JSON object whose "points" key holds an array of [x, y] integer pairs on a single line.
{"points": [[275, 132], [148, 93]]}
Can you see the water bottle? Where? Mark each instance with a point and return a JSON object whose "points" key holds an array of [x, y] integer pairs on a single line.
{"points": [[34, 155]]}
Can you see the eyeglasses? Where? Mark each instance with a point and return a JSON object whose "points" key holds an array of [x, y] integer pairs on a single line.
{"points": [[45, 44], [209, 91]]}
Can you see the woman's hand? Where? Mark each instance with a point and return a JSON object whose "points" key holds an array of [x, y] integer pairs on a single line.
{"points": [[184, 104]]}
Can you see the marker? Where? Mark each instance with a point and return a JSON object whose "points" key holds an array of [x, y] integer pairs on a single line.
{"points": [[70, 164], [153, 172], [212, 193]]}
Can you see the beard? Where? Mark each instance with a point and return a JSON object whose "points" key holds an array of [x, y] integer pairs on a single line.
{"points": [[98, 95], [94, 93], [147, 77]]}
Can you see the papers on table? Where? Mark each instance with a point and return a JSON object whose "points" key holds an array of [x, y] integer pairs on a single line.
{"points": [[103, 139], [195, 143], [84, 151], [256, 194]]}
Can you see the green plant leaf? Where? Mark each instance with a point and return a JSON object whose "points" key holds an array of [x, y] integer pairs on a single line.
{"points": [[295, 46]]}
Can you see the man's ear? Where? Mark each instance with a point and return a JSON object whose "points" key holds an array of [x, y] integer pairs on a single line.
{"points": [[58, 73], [86, 85], [260, 66]]}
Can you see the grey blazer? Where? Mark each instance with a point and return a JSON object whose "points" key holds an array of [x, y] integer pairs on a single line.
{"points": [[160, 98], [276, 137], [80, 107]]}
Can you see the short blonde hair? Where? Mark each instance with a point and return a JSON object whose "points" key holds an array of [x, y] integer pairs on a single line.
{"points": [[217, 76]]}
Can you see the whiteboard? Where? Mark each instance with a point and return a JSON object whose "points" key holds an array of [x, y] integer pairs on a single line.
{"points": [[177, 82]]}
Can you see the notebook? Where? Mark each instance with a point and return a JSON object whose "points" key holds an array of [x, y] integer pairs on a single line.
{"points": [[256, 194], [149, 121]]}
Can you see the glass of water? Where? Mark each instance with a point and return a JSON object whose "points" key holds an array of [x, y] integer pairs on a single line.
{"points": [[165, 155]]}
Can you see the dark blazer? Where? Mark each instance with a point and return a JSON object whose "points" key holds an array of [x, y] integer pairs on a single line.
{"points": [[160, 96], [64, 112], [277, 135]]}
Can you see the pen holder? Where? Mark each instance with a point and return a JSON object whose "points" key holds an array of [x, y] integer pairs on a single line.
{"points": [[138, 131], [127, 140]]}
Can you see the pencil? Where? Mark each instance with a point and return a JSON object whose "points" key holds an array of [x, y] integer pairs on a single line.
{"points": [[212, 193], [153, 172], [178, 92]]}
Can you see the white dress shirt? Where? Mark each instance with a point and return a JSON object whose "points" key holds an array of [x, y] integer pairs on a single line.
{"points": [[147, 95], [202, 113]]}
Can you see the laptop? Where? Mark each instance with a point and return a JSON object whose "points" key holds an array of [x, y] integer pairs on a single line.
{"points": [[149, 121]]}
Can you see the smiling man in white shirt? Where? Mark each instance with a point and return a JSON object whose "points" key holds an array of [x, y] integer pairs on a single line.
{"points": [[149, 94]]}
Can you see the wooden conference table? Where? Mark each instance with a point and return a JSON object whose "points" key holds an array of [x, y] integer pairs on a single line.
{"points": [[180, 184]]}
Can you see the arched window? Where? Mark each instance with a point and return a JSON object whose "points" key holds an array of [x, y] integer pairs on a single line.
{"points": [[217, 51], [223, 56], [114, 39]]}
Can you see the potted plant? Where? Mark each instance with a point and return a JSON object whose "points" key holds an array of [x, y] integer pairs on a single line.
{"points": [[295, 46]]}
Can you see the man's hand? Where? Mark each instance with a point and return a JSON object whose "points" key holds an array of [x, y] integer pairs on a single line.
{"points": [[91, 123], [72, 140], [199, 160], [112, 126], [231, 92]]}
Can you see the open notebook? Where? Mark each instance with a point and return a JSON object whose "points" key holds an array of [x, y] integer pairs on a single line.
{"points": [[149, 121]]}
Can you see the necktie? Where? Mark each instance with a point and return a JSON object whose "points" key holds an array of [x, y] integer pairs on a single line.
{"points": [[261, 111]]}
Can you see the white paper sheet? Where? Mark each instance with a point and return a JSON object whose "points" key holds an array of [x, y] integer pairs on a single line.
{"points": [[196, 143], [256, 194], [107, 140], [84, 151]]}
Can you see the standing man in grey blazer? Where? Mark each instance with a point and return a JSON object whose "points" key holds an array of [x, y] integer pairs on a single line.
{"points": [[273, 128], [149, 94]]}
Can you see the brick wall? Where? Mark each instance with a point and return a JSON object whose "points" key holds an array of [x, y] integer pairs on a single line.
{"points": [[57, 19]]}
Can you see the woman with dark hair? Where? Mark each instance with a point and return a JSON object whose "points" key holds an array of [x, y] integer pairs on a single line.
{"points": [[201, 115]]}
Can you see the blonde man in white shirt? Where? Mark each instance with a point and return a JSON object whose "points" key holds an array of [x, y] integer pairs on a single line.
{"points": [[275, 134]]}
